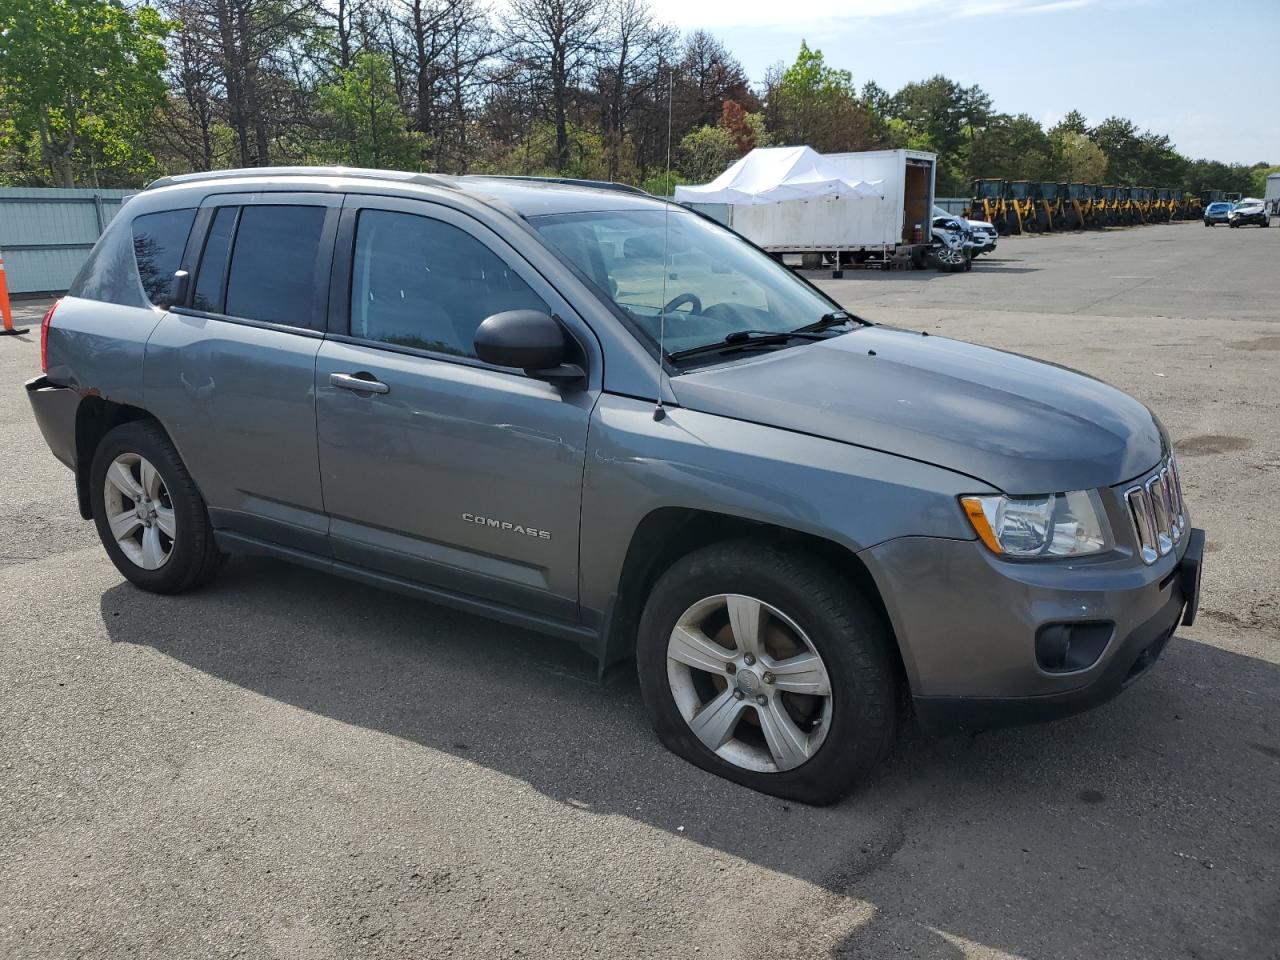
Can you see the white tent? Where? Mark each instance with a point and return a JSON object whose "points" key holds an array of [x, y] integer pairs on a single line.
{"points": [[776, 174]]}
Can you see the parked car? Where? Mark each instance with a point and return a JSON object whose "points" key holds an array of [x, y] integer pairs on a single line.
{"points": [[983, 234], [1216, 213], [1249, 211], [586, 412], [953, 246]]}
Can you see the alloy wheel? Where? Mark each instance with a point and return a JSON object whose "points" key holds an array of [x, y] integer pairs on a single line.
{"points": [[139, 511], [749, 683]]}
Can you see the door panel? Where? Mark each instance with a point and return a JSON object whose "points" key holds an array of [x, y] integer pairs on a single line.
{"points": [[236, 389], [447, 471], [239, 403], [460, 476]]}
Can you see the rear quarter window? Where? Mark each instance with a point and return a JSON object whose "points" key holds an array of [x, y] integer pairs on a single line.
{"points": [[110, 274], [158, 242]]}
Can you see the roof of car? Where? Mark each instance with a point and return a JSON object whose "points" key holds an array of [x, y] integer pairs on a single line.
{"points": [[533, 196], [527, 196]]}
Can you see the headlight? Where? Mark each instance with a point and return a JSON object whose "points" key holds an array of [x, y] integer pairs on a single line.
{"points": [[1055, 525]]}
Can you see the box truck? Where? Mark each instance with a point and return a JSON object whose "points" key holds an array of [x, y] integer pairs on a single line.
{"points": [[836, 206]]}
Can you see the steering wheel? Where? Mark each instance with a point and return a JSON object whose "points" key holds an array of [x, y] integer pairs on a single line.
{"points": [[681, 300]]}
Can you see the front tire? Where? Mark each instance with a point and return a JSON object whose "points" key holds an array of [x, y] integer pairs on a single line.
{"points": [[150, 517], [761, 665]]}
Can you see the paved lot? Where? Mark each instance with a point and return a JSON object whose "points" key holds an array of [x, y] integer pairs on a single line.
{"points": [[286, 765]]}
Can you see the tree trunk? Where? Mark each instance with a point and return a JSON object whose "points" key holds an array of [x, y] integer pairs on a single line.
{"points": [[559, 96], [344, 35], [422, 69], [233, 76]]}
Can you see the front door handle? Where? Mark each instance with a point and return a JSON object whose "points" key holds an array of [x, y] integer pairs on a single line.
{"points": [[359, 382]]}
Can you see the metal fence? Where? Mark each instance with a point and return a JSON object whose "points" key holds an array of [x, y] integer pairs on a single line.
{"points": [[46, 233], [953, 205]]}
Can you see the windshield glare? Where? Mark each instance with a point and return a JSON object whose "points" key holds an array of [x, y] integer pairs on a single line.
{"points": [[716, 284]]}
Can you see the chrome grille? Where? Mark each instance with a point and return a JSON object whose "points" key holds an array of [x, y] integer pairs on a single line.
{"points": [[1158, 510]]}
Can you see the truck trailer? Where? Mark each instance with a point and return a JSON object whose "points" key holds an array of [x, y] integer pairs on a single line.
{"points": [[882, 213]]}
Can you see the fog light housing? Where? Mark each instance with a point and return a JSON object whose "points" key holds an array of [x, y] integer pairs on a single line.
{"points": [[1068, 647]]}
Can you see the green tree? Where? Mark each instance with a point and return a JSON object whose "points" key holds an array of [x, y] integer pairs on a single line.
{"points": [[943, 111], [662, 185], [364, 124], [536, 154], [1012, 148], [1079, 159], [1261, 171], [1073, 122], [1118, 139], [83, 78], [1159, 164], [1215, 175], [817, 105], [706, 153]]}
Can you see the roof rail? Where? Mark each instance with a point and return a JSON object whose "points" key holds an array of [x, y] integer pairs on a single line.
{"points": [[400, 176], [569, 182]]}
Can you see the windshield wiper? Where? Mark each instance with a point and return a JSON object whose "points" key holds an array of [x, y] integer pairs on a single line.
{"points": [[743, 339], [836, 318]]}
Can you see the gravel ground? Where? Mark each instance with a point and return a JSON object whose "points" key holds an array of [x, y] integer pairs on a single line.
{"points": [[286, 765]]}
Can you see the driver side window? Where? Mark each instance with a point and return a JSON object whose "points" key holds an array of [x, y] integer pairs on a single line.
{"points": [[423, 283]]}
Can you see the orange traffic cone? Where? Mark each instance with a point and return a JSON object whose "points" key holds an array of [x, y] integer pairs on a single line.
{"points": [[6, 312]]}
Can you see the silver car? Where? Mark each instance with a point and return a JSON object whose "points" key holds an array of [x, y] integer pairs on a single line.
{"points": [[582, 411]]}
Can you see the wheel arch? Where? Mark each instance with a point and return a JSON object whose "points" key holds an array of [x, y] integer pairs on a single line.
{"points": [[95, 418], [666, 534]]}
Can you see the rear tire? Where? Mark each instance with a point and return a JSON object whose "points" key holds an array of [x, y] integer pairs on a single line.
{"points": [[808, 607], [150, 517]]}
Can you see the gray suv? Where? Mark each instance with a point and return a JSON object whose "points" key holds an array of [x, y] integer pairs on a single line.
{"points": [[580, 410]]}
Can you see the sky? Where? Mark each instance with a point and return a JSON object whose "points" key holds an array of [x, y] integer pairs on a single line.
{"points": [[1205, 73]]}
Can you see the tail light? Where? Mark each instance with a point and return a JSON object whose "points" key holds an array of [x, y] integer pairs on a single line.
{"points": [[44, 337]]}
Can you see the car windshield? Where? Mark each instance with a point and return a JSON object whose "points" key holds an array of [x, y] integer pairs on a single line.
{"points": [[1219, 207], [714, 284]]}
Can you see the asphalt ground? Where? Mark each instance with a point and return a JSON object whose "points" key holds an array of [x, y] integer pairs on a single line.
{"points": [[287, 765]]}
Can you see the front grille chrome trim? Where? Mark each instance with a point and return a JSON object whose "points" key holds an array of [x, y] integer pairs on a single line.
{"points": [[1158, 490], [1158, 512]]}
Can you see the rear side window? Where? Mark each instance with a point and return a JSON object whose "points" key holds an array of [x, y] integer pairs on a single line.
{"points": [[158, 242], [272, 276], [420, 282]]}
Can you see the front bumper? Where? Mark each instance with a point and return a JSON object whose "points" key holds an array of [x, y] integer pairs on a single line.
{"points": [[966, 623]]}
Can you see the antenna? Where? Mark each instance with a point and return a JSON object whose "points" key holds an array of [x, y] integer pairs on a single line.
{"points": [[659, 413]]}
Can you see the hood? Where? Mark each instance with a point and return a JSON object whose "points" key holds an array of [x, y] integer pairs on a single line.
{"points": [[1020, 425]]}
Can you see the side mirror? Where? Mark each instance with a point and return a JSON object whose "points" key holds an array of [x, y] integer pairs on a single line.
{"points": [[530, 340]]}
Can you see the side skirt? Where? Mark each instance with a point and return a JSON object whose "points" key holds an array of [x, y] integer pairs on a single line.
{"points": [[585, 637]]}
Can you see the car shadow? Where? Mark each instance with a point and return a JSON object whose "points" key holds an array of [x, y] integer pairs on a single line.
{"points": [[1019, 840], [996, 266]]}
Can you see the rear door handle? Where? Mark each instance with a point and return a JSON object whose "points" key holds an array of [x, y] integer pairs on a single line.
{"points": [[359, 382]]}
